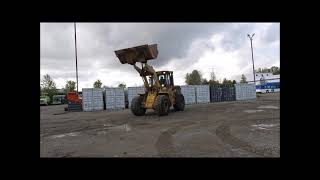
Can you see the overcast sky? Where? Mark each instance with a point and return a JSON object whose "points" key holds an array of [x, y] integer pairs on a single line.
{"points": [[183, 47]]}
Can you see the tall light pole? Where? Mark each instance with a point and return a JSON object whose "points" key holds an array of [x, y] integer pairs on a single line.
{"points": [[75, 44], [254, 74]]}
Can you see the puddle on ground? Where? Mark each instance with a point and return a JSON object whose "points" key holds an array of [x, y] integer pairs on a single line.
{"points": [[264, 126], [125, 127], [101, 133], [64, 135], [253, 111], [268, 107]]}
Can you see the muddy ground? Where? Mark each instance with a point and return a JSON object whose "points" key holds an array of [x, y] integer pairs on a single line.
{"points": [[226, 129]]}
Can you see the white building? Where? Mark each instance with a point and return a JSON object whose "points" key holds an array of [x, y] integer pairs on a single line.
{"points": [[269, 77], [266, 76], [267, 82]]}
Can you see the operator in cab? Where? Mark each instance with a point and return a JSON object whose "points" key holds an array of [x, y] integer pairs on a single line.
{"points": [[162, 81]]}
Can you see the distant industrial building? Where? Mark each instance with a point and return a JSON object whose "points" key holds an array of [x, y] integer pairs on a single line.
{"points": [[267, 82]]}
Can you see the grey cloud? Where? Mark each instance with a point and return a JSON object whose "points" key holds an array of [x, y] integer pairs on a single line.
{"points": [[273, 33], [173, 39], [237, 36], [57, 40], [97, 42]]}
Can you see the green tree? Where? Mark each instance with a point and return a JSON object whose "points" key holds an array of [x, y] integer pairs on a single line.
{"points": [[205, 81], [234, 82], [226, 82], [70, 86], [48, 86], [194, 78], [122, 85], [213, 79], [212, 76], [211, 82], [97, 84], [259, 70], [243, 79], [275, 70]]}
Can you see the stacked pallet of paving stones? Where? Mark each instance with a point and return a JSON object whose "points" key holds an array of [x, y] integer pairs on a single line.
{"points": [[215, 93], [114, 98], [228, 93], [126, 103], [245, 91], [202, 94], [189, 93], [133, 92], [92, 99]]}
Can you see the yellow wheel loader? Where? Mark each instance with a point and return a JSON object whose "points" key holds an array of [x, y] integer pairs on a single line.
{"points": [[160, 92]]}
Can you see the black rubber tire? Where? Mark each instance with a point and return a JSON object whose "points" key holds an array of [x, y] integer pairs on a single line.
{"points": [[162, 105], [136, 107], [180, 103]]}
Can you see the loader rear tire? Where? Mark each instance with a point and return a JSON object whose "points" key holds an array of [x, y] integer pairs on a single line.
{"points": [[162, 105], [136, 107], [180, 103]]}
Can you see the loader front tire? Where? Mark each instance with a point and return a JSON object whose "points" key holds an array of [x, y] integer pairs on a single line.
{"points": [[179, 104], [136, 107], [162, 105]]}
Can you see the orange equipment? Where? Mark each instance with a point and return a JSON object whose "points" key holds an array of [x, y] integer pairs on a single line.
{"points": [[73, 97]]}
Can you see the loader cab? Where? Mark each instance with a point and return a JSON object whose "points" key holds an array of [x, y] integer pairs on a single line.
{"points": [[165, 78]]}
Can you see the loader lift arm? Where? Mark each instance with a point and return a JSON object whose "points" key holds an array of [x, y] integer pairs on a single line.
{"points": [[145, 71], [141, 54]]}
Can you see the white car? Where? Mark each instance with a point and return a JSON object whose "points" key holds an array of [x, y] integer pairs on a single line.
{"points": [[44, 101]]}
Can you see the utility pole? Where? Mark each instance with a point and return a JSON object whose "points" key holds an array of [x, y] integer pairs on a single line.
{"points": [[75, 44], [254, 74]]}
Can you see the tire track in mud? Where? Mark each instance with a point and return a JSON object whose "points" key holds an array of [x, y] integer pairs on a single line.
{"points": [[164, 144], [223, 132], [86, 128]]}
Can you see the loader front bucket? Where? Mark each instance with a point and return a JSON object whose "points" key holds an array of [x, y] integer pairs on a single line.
{"points": [[137, 54]]}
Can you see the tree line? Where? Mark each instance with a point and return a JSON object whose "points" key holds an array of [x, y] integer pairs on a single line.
{"points": [[195, 78], [274, 70], [48, 86]]}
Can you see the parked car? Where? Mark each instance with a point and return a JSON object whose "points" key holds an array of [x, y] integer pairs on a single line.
{"points": [[44, 100], [59, 99]]}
